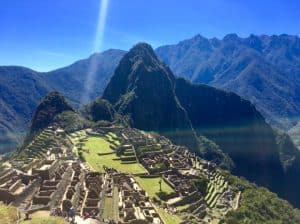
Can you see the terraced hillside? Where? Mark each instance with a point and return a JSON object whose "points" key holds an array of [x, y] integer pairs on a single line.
{"points": [[183, 187], [128, 150], [100, 151], [48, 142], [126, 174]]}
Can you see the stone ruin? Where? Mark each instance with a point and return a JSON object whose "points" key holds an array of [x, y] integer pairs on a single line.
{"points": [[55, 178], [92, 200], [15, 186], [134, 204]]}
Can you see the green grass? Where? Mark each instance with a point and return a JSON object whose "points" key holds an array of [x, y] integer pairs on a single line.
{"points": [[111, 207], [45, 220], [108, 211], [8, 214], [115, 203], [182, 207], [112, 134], [151, 186], [112, 137], [110, 159], [169, 218]]}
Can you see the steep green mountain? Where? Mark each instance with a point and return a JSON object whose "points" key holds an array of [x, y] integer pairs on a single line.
{"points": [[147, 91], [144, 88], [98, 110], [263, 69], [21, 89], [236, 126], [52, 105]]}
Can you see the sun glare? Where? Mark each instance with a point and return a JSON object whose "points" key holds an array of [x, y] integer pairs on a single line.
{"points": [[98, 42]]}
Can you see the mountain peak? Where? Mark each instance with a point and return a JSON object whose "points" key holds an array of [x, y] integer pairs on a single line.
{"points": [[144, 52], [231, 37], [51, 105], [139, 64]]}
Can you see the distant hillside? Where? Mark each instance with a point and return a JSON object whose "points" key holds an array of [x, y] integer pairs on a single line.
{"points": [[147, 91], [70, 80], [21, 89], [263, 69]]}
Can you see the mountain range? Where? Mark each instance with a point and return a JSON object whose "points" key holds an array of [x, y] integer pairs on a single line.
{"points": [[263, 69]]}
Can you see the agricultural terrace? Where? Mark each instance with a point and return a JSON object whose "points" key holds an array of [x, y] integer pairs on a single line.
{"points": [[98, 152]]}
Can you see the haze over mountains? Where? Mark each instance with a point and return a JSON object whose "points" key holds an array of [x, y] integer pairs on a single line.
{"points": [[262, 69]]}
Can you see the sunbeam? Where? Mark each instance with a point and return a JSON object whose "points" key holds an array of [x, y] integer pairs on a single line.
{"points": [[98, 42]]}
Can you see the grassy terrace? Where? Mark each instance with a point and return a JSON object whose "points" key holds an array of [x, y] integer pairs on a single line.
{"points": [[151, 185], [99, 153], [112, 138], [38, 147], [169, 218]]}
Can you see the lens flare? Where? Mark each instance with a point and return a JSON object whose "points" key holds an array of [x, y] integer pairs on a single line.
{"points": [[91, 74]]}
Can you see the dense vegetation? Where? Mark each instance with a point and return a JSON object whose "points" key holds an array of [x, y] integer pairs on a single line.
{"points": [[52, 105], [8, 214], [260, 206], [71, 121], [98, 110]]}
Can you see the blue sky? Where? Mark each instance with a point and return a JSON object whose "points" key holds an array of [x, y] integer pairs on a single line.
{"points": [[48, 34]]}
